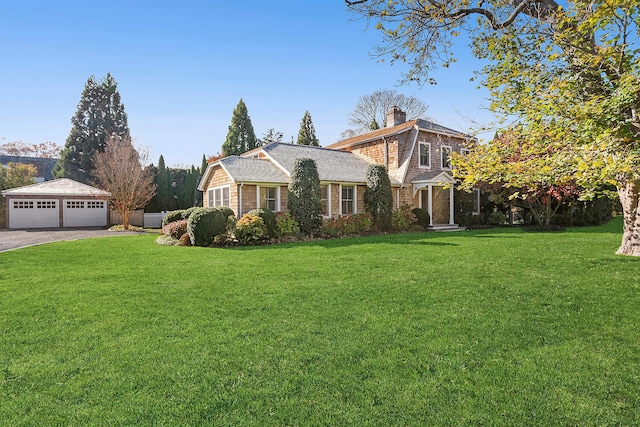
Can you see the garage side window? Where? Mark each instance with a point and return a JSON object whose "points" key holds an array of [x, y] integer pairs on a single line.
{"points": [[50, 204], [75, 204], [17, 204]]}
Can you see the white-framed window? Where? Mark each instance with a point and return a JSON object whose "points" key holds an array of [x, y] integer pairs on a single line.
{"points": [[445, 156], [75, 204], [464, 151], [95, 205], [476, 201], [324, 200], [270, 198], [424, 154], [46, 204], [348, 196], [219, 196], [20, 204]]}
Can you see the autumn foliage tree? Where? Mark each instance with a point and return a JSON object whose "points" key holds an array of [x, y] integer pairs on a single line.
{"points": [[535, 174], [568, 70], [14, 175], [120, 169]]}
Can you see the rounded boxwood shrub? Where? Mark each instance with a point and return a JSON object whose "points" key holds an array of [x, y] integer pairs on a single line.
{"points": [[204, 225], [186, 213], [172, 216], [422, 217], [269, 219], [227, 211], [250, 228]]}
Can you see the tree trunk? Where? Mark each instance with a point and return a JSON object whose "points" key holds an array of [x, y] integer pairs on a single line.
{"points": [[629, 198], [125, 219]]}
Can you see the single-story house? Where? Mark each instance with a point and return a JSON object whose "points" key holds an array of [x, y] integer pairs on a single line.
{"points": [[58, 203]]}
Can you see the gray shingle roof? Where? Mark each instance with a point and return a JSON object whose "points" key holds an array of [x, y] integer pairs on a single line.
{"points": [[249, 169], [333, 165], [58, 187]]}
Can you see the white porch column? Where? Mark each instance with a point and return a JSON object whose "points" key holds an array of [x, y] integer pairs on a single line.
{"points": [[257, 197], [240, 199], [451, 210], [329, 213], [430, 203]]}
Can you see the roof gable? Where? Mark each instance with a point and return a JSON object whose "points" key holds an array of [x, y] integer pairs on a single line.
{"points": [[421, 124], [57, 187]]}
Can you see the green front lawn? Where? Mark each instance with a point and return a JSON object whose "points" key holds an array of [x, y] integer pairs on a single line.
{"points": [[494, 327]]}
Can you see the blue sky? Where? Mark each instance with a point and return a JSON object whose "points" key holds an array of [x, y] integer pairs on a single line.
{"points": [[182, 67]]}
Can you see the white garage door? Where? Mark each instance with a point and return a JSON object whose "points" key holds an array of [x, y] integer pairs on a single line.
{"points": [[85, 213], [33, 213]]}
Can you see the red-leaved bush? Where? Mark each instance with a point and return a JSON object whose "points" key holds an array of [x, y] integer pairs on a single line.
{"points": [[175, 229]]}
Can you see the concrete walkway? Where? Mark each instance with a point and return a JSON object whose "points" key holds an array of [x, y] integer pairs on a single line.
{"points": [[14, 239]]}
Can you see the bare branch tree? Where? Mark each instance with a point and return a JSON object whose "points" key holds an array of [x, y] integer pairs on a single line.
{"points": [[371, 110], [120, 170], [47, 150]]}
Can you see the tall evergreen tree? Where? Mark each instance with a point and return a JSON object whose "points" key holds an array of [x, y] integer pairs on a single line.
{"points": [[307, 133], [241, 137], [162, 181], [378, 197], [99, 115], [304, 196], [201, 171]]}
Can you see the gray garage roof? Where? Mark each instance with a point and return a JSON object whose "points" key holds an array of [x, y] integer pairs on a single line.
{"points": [[59, 187]]}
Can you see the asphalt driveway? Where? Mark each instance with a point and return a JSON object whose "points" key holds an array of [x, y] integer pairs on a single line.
{"points": [[14, 239]]}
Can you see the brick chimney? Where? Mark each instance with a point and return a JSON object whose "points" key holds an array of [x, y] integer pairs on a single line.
{"points": [[395, 116]]}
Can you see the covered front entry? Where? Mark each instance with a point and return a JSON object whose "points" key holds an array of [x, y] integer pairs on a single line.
{"points": [[436, 196]]}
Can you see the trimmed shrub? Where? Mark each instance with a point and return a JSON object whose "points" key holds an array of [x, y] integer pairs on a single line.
{"points": [[497, 218], [250, 228], [347, 225], [172, 216], [378, 198], [286, 225], [204, 225], [184, 240], [422, 217], [269, 219], [186, 213], [304, 196], [175, 229], [402, 218], [227, 211]]}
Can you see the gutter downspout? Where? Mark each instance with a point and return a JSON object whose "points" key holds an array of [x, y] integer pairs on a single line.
{"points": [[386, 153]]}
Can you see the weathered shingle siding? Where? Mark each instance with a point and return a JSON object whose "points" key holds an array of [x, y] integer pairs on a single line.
{"points": [[218, 177], [436, 141]]}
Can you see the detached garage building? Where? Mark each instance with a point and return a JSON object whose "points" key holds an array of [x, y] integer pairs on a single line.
{"points": [[59, 203]]}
